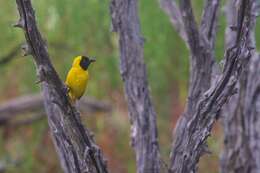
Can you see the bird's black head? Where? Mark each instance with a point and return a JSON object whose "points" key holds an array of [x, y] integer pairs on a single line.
{"points": [[85, 62]]}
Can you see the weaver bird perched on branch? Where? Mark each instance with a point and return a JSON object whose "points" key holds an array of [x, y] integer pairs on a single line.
{"points": [[77, 77]]}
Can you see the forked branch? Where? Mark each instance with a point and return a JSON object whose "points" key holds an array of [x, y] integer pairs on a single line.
{"points": [[189, 147]]}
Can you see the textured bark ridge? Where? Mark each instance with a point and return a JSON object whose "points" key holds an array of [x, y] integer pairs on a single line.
{"points": [[241, 116], [77, 151], [125, 22], [241, 124], [209, 89]]}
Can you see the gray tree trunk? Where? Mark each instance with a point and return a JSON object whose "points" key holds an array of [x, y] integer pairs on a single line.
{"points": [[125, 22], [241, 120], [77, 151], [241, 152]]}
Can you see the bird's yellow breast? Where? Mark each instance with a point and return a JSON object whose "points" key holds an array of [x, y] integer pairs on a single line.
{"points": [[76, 81]]}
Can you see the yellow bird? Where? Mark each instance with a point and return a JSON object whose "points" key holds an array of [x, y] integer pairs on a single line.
{"points": [[77, 77]]}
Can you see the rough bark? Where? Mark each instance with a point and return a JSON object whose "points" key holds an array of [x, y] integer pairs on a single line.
{"points": [[125, 22], [240, 117], [241, 126], [201, 44], [252, 110], [77, 151], [207, 94], [208, 28]]}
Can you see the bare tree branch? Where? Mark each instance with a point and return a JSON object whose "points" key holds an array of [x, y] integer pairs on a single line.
{"points": [[190, 143], [202, 58], [34, 103], [190, 27], [209, 21], [203, 38], [240, 116], [28, 121], [172, 10], [15, 51], [77, 151], [7, 58], [125, 22], [231, 12], [252, 112], [201, 70], [241, 145]]}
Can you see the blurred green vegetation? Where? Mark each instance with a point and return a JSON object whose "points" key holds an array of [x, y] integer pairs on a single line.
{"points": [[83, 27]]}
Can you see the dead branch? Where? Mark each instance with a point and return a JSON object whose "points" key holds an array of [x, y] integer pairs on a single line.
{"points": [[241, 144], [190, 27], [191, 138], [10, 56], [172, 10], [203, 68], [241, 151], [14, 52], [26, 121], [252, 112], [209, 21], [125, 22], [77, 151], [34, 103], [231, 12]]}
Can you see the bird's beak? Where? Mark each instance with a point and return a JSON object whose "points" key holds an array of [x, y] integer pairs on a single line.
{"points": [[92, 59]]}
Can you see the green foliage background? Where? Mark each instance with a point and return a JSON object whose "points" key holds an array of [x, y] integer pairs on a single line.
{"points": [[83, 27]]}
